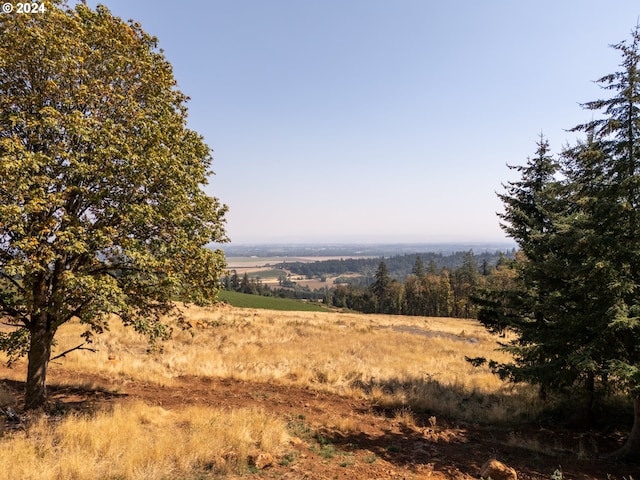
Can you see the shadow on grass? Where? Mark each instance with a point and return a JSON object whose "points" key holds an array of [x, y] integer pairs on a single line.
{"points": [[408, 447], [419, 426], [445, 428], [507, 406], [65, 399], [460, 451]]}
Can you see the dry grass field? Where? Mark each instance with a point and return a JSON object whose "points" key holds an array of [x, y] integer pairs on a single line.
{"points": [[319, 395], [400, 362]]}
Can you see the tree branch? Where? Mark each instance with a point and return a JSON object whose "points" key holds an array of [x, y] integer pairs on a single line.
{"points": [[8, 309], [13, 281], [12, 324], [73, 313], [79, 347]]}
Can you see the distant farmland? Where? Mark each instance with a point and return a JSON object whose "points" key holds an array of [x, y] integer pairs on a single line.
{"points": [[262, 268], [244, 300]]}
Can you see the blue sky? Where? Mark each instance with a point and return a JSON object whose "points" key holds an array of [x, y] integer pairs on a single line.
{"points": [[379, 121]]}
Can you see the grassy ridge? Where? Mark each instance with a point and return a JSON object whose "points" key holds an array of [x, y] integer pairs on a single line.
{"points": [[244, 300]]}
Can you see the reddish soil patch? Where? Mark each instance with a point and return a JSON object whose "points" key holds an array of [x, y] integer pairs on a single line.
{"points": [[377, 446]]}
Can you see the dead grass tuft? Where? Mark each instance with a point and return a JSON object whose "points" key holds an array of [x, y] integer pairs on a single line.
{"points": [[137, 441]]}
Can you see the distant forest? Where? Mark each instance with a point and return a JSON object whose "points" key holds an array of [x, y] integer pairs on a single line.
{"points": [[429, 284], [398, 266]]}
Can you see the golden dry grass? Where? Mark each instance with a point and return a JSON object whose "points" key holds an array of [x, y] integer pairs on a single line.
{"points": [[413, 362], [406, 364], [136, 441]]}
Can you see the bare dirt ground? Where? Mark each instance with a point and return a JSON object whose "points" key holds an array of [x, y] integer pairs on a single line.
{"points": [[376, 444]]}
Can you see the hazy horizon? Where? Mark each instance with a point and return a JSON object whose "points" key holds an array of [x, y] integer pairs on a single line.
{"points": [[366, 240], [370, 249]]}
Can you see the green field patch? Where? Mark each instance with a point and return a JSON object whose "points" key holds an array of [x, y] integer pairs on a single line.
{"points": [[248, 262], [262, 274], [245, 300]]}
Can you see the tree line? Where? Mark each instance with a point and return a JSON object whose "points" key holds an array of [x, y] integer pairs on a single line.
{"points": [[398, 266], [426, 291]]}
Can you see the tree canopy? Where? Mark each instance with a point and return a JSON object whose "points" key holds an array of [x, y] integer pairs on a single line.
{"points": [[102, 211]]}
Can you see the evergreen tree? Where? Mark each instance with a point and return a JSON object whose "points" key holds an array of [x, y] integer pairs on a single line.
{"points": [[605, 176], [433, 268], [234, 281], [576, 308], [413, 297], [486, 268], [554, 325], [465, 280], [381, 289], [418, 267]]}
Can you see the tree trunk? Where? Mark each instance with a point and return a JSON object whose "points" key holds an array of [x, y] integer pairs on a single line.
{"points": [[631, 450], [591, 398], [39, 355]]}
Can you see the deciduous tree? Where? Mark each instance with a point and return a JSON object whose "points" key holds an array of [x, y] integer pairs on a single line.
{"points": [[102, 212]]}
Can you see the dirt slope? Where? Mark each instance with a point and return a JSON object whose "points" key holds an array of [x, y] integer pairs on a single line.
{"points": [[372, 443]]}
